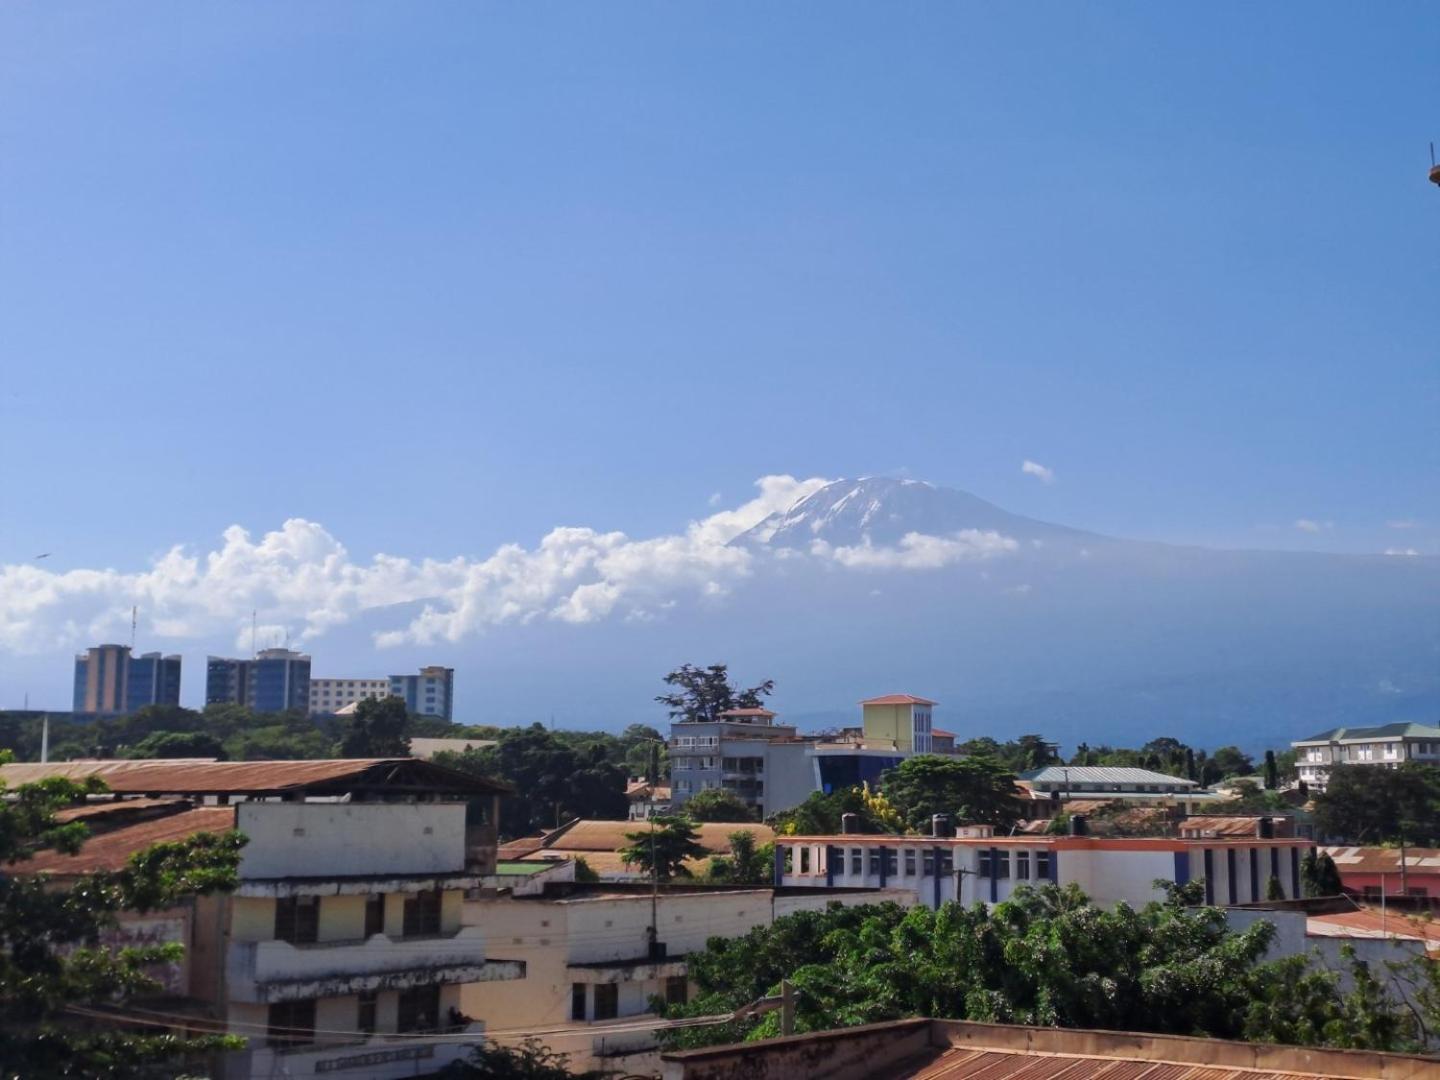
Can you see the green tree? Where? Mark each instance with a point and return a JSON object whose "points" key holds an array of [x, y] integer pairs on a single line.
{"points": [[646, 753], [717, 804], [51, 958], [556, 778], [1367, 804], [665, 847], [747, 863], [1273, 889], [821, 814], [704, 693], [1272, 771], [1230, 761], [377, 730], [976, 789], [178, 744], [1318, 874]]}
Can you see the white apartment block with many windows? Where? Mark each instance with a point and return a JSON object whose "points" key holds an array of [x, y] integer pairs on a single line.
{"points": [[329, 696]]}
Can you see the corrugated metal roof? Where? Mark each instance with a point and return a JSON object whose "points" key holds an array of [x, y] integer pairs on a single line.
{"points": [[1102, 774], [112, 850], [1379, 860], [115, 808], [1400, 729], [1370, 923], [328, 776], [962, 1063]]}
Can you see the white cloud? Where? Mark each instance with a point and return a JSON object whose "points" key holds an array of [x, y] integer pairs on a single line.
{"points": [[1405, 523], [1401, 551], [918, 551], [301, 582], [1310, 526], [1040, 472], [714, 499]]}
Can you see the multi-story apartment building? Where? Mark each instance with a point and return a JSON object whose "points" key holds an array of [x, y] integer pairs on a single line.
{"points": [[727, 752], [1061, 783], [430, 693], [1389, 745], [274, 681], [329, 696], [343, 940], [978, 865]]}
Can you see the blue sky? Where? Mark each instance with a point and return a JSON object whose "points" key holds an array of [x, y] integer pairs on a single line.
{"points": [[444, 276]]}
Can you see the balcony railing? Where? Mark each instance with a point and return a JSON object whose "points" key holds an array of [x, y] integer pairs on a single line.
{"points": [[268, 971]]}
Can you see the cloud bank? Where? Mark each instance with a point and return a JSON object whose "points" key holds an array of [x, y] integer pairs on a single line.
{"points": [[300, 581]]}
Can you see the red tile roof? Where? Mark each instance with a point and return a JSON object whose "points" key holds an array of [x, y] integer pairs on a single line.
{"points": [[898, 699], [112, 850]]}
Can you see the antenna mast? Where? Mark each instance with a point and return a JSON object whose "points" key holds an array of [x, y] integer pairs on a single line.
{"points": [[134, 616], [253, 630]]}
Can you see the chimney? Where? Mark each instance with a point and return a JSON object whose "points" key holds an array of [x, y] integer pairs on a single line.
{"points": [[940, 825], [1078, 825], [1265, 828], [849, 823]]}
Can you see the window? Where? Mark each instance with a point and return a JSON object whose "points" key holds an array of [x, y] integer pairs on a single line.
{"points": [[804, 860], [291, 1023], [983, 868], [607, 1001], [909, 862], [677, 990], [365, 1018], [875, 856], [928, 868], [297, 920], [374, 914], [947, 862], [1043, 865], [1002, 864], [888, 857], [577, 1001], [1022, 866], [419, 1009], [422, 913], [857, 861]]}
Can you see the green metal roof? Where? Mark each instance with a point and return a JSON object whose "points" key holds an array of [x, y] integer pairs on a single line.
{"points": [[1384, 731]]}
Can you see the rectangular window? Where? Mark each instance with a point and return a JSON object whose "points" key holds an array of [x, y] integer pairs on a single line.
{"points": [[297, 919], [1002, 864], [577, 1002], [422, 913], [607, 1001], [875, 861], [419, 1009], [1042, 865], [291, 1023], [1022, 866], [947, 862], [365, 1017], [983, 868], [928, 867], [909, 862], [374, 914], [804, 860], [889, 856], [857, 861], [677, 990]]}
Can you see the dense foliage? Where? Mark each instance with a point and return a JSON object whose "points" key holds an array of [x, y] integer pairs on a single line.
{"points": [[821, 813], [969, 790], [1366, 804], [51, 956], [747, 864], [717, 804], [377, 729], [1046, 956], [531, 1060]]}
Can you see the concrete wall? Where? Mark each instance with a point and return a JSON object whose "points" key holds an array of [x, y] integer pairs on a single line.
{"points": [[1111, 876], [893, 723], [342, 839], [789, 775]]}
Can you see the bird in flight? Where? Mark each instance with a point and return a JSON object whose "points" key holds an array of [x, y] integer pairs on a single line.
{"points": [[43, 555]]}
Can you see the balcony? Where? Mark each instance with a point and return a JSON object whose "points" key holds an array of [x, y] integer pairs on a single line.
{"points": [[377, 1058], [262, 972]]}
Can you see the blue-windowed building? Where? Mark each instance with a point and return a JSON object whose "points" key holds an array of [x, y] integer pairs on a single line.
{"points": [[275, 681], [154, 680]]}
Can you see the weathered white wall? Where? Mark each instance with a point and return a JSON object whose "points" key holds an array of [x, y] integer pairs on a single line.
{"points": [[324, 839], [1108, 877]]}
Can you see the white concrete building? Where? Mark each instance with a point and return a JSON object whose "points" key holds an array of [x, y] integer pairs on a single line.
{"points": [[344, 938], [590, 967], [329, 696], [1389, 745], [977, 865]]}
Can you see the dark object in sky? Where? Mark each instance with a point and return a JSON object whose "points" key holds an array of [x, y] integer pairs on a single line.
{"points": [[1434, 169], [43, 555]]}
